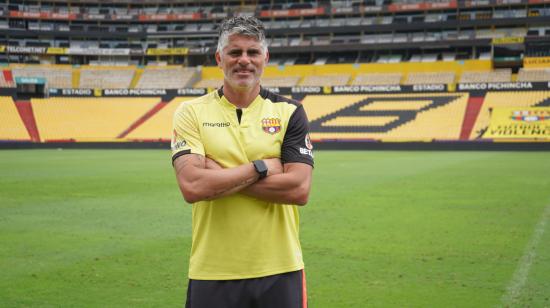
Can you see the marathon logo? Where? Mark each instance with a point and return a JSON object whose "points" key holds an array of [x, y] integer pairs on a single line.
{"points": [[216, 124]]}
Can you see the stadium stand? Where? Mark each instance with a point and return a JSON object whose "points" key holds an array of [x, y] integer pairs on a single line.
{"points": [[377, 79], [440, 123], [56, 76], [167, 78], [11, 125], [506, 99], [389, 59], [318, 106], [289, 81], [209, 83], [430, 78], [88, 119], [498, 75], [541, 75], [386, 117], [326, 80], [159, 126], [6, 79], [311, 43], [106, 78]]}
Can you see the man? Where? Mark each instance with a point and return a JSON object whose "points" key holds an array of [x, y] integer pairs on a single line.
{"points": [[243, 158]]}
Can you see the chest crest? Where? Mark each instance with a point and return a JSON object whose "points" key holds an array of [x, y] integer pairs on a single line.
{"points": [[271, 125]]}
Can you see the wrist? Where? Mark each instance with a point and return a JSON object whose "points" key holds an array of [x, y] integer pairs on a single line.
{"points": [[261, 168]]}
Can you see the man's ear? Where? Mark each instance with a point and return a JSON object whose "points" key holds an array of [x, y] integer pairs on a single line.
{"points": [[266, 56], [218, 58]]}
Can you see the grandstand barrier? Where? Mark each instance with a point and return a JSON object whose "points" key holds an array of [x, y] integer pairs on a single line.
{"points": [[353, 89], [8, 92], [503, 86], [164, 94], [349, 145], [354, 117], [126, 92]]}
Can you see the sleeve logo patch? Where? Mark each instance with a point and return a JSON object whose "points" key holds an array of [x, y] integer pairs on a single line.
{"points": [[309, 147], [271, 125], [177, 144], [308, 142]]}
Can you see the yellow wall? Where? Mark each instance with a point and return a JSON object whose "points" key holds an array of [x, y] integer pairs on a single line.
{"points": [[213, 72], [58, 66]]}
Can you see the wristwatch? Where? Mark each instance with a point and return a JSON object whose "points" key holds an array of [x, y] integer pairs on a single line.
{"points": [[260, 167]]}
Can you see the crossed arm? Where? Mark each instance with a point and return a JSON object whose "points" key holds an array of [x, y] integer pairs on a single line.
{"points": [[201, 178]]}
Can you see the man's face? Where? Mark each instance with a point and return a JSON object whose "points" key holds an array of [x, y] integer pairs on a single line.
{"points": [[242, 61]]}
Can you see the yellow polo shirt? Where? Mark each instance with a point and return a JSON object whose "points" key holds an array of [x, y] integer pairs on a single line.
{"points": [[237, 236]]}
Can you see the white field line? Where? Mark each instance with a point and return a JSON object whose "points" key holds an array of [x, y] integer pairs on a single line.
{"points": [[515, 286]]}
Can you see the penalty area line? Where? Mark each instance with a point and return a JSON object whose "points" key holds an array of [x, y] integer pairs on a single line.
{"points": [[516, 284]]}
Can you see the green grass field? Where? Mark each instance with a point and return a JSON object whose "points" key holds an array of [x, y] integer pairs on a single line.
{"points": [[108, 228]]}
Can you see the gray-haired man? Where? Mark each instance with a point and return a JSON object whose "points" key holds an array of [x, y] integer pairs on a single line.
{"points": [[243, 158]]}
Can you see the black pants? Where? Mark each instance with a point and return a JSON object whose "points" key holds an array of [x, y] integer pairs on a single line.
{"points": [[287, 290]]}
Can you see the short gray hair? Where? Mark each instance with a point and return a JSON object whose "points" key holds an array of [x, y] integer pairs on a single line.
{"points": [[243, 25]]}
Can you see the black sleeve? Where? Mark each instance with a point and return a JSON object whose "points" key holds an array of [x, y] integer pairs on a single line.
{"points": [[297, 147]]}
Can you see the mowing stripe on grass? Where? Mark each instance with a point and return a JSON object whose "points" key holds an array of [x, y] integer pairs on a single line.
{"points": [[513, 291]]}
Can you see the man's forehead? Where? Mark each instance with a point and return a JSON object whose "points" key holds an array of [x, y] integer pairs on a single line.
{"points": [[239, 41]]}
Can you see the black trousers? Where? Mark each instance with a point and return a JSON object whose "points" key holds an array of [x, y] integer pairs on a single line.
{"points": [[287, 290]]}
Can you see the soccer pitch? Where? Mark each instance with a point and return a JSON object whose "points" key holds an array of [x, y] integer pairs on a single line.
{"points": [[109, 228]]}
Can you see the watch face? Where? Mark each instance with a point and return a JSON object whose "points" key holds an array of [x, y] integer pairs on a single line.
{"points": [[260, 167]]}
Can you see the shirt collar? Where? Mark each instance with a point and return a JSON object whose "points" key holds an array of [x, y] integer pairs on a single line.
{"points": [[262, 95]]}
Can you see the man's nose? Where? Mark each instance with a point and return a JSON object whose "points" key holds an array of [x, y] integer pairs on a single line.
{"points": [[244, 59]]}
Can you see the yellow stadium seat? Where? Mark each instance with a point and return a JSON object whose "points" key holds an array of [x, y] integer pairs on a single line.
{"points": [[505, 99], [387, 117], [11, 125], [159, 126], [88, 119]]}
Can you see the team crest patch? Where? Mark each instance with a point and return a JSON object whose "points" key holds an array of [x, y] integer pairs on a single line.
{"points": [[308, 142], [271, 125]]}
